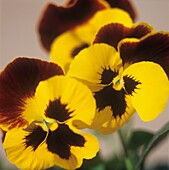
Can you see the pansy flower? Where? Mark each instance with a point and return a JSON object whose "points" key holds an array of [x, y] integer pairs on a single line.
{"points": [[40, 110], [66, 46], [56, 20], [137, 43], [120, 91]]}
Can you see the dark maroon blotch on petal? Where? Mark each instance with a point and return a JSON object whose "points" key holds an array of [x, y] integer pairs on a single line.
{"points": [[35, 137], [130, 84], [108, 96], [113, 33], [58, 110], [153, 48], [18, 81], [56, 20], [60, 141]]}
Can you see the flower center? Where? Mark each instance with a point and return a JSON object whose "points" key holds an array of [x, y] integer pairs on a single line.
{"points": [[51, 124], [117, 83]]}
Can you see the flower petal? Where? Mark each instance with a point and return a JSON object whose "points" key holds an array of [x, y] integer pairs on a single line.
{"points": [[114, 109], [65, 47], [101, 18], [97, 66], [68, 45], [126, 5], [153, 47], [18, 82], [148, 88], [60, 147], [90, 64], [56, 20], [66, 99], [113, 33]]}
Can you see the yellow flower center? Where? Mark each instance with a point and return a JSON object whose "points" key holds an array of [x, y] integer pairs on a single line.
{"points": [[51, 124], [117, 83]]}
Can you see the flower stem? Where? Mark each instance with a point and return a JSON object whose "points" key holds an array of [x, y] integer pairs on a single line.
{"points": [[128, 162], [123, 143]]}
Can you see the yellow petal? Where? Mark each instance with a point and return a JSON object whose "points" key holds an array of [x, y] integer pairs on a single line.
{"points": [[114, 108], [22, 154], [90, 63], [91, 146], [101, 18], [148, 88], [65, 47], [76, 101], [29, 150], [106, 122]]}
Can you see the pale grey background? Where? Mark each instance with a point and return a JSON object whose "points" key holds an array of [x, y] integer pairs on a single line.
{"points": [[18, 37]]}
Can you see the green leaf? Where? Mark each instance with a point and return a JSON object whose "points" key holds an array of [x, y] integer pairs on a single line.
{"points": [[139, 138], [128, 164], [157, 138]]}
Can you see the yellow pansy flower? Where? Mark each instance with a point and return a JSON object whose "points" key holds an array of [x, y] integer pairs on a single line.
{"points": [[66, 46], [41, 111], [120, 91]]}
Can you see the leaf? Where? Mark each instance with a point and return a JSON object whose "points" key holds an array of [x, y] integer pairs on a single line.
{"points": [[157, 138], [139, 138], [128, 164]]}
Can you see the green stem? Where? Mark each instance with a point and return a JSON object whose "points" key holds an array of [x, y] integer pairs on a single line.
{"points": [[128, 162], [123, 143]]}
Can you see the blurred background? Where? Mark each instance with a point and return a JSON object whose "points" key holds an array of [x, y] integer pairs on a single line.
{"points": [[18, 37]]}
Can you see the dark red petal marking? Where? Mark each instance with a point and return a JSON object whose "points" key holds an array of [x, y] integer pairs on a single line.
{"points": [[154, 48], [130, 84], [56, 20], [110, 97], [108, 75], [18, 81], [60, 141], [126, 5], [36, 136], [113, 33], [58, 110]]}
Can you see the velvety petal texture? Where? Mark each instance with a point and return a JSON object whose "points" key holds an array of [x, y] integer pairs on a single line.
{"points": [[56, 20], [38, 149], [113, 33], [66, 46], [18, 82], [151, 91], [101, 18], [97, 67], [57, 106], [118, 91], [66, 99], [153, 47]]}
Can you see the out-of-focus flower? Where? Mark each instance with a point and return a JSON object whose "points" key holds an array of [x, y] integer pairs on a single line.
{"points": [[66, 46], [40, 109], [56, 20], [119, 90]]}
